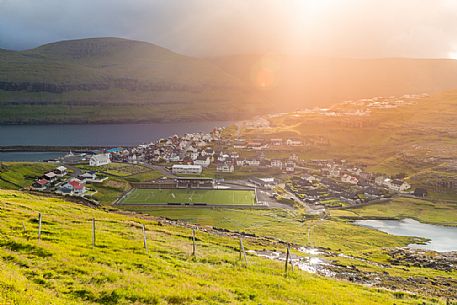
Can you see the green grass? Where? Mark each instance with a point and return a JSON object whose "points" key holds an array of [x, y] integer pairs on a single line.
{"points": [[16, 175], [242, 173], [293, 226], [120, 175], [110, 190], [123, 170], [63, 268], [437, 212], [161, 196]]}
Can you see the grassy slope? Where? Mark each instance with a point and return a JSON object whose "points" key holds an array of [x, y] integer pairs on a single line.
{"points": [[151, 196], [120, 174], [319, 81], [64, 269], [438, 212], [227, 88], [163, 82], [287, 225], [390, 140], [17, 175]]}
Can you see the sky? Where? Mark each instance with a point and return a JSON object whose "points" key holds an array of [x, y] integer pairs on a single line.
{"points": [[345, 28]]}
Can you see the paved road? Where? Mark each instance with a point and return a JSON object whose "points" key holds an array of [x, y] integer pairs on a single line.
{"points": [[76, 171], [160, 169], [308, 208]]}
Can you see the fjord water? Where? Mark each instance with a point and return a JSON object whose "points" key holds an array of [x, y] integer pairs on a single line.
{"points": [[442, 238], [90, 135]]}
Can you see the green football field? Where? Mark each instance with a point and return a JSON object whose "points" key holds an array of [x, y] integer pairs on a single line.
{"points": [[164, 196]]}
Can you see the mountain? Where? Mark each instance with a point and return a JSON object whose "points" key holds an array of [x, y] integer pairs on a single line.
{"points": [[113, 79], [119, 80], [299, 82]]}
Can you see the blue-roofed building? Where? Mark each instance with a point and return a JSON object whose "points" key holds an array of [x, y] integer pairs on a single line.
{"points": [[114, 150]]}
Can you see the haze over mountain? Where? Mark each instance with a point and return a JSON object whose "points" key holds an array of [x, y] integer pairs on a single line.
{"points": [[119, 80]]}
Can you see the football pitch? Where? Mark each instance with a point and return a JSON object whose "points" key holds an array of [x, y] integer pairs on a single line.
{"points": [[191, 196]]}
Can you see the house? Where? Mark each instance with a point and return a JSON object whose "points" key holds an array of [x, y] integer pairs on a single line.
{"points": [[88, 176], [276, 142], [202, 161], [100, 159], [399, 185], [247, 162], [73, 187], [174, 158], [60, 171], [252, 162], [310, 179], [293, 157], [194, 155], [186, 169], [267, 183], [51, 176], [420, 192], [40, 184], [240, 162], [349, 179], [225, 167], [293, 142], [379, 180], [290, 166], [334, 172], [239, 145], [276, 163], [223, 157]]}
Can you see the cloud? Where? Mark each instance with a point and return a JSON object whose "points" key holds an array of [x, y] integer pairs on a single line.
{"points": [[355, 28]]}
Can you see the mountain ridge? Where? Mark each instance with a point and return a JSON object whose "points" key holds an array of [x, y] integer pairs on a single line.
{"points": [[120, 80]]}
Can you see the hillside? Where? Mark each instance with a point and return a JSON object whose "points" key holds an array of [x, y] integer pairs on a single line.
{"points": [[297, 82], [112, 79], [414, 137], [118, 80], [64, 268]]}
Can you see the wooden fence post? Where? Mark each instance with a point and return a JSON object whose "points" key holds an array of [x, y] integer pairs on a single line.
{"points": [[39, 226], [194, 247], [93, 232], [291, 262], [287, 260], [144, 239], [242, 252]]}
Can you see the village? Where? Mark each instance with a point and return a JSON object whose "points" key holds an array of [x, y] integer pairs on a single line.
{"points": [[284, 177]]}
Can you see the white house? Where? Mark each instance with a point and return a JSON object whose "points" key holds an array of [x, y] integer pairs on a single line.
{"points": [[202, 161], [60, 171], [186, 169], [293, 142], [276, 142], [396, 185], [194, 155], [349, 179], [225, 167], [380, 180], [293, 157], [51, 176], [276, 163], [290, 166], [252, 162], [99, 160]]}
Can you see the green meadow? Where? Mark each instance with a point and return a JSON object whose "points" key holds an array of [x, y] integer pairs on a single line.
{"points": [[64, 268], [164, 196]]}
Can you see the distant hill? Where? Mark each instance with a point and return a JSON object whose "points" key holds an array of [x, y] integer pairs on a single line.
{"points": [[300, 82], [113, 79], [120, 80]]}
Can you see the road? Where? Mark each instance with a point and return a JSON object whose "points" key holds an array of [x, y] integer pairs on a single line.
{"points": [[160, 169]]}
